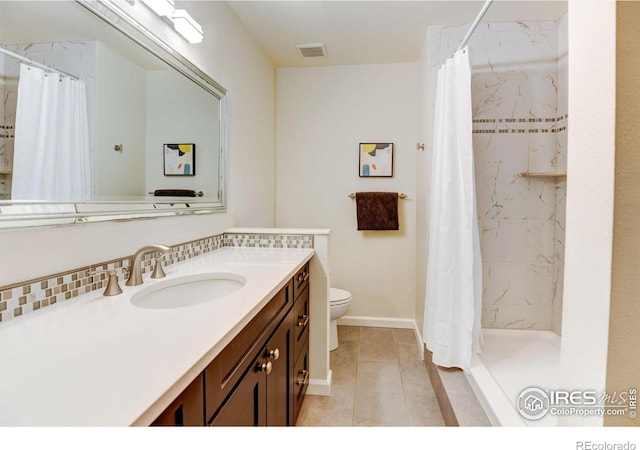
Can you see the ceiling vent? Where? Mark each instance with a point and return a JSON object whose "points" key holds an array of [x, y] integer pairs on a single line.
{"points": [[312, 50]]}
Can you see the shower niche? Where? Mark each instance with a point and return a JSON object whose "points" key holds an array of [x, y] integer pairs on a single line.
{"points": [[519, 101]]}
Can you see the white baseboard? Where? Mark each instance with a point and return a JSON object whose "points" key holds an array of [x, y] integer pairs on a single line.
{"points": [[385, 322], [380, 322], [318, 386]]}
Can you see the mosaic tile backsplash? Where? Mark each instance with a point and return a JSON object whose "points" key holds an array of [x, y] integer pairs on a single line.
{"points": [[33, 295], [268, 240]]}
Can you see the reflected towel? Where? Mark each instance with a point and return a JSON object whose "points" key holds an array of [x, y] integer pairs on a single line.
{"points": [[377, 210], [174, 193]]}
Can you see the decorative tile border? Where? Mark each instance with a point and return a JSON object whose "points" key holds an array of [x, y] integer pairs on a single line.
{"points": [[33, 295], [537, 125], [182, 252], [268, 240], [523, 120], [17, 300]]}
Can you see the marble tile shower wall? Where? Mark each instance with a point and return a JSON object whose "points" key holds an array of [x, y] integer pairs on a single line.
{"points": [[519, 125], [30, 296]]}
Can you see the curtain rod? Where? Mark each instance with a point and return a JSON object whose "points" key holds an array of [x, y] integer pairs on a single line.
{"points": [[35, 63], [474, 25]]}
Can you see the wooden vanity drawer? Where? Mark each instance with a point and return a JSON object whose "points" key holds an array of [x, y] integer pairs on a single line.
{"points": [[300, 281], [228, 367], [300, 323]]}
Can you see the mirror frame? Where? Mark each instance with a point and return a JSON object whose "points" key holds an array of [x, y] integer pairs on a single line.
{"points": [[52, 213]]}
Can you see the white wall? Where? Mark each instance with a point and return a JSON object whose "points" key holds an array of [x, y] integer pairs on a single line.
{"points": [[323, 114], [423, 167], [233, 59], [120, 119], [590, 182]]}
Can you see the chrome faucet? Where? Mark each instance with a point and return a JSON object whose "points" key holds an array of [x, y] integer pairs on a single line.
{"points": [[135, 268]]}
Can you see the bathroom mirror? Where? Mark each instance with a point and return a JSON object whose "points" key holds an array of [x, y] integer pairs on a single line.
{"points": [[154, 121]]}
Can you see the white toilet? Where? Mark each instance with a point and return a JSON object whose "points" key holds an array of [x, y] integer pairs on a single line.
{"points": [[338, 307]]}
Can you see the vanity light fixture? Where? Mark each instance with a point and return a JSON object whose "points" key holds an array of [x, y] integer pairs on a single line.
{"points": [[163, 8], [187, 26]]}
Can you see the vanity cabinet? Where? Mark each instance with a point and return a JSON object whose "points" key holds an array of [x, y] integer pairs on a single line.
{"points": [[244, 356], [261, 376], [261, 397]]}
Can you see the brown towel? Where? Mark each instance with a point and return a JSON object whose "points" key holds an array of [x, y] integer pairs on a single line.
{"points": [[377, 210]]}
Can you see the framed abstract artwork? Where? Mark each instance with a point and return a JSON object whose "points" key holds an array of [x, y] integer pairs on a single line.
{"points": [[376, 159], [180, 159]]}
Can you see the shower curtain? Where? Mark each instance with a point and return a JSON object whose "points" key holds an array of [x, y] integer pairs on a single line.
{"points": [[52, 153], [454, 267]]}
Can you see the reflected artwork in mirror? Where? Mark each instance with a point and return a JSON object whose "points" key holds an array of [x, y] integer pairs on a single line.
{"points": [[91, 98]]}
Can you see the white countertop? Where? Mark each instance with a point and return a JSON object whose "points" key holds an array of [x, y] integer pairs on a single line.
{"points": [[100, 361]]}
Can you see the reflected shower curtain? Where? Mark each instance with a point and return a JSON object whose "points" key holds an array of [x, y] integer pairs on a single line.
{"points": [[453, 303], [52, 153]]}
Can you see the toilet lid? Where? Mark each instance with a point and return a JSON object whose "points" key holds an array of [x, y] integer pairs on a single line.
{"points": [[339, 295]]}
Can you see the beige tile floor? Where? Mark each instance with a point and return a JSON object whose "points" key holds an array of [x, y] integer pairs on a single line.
{"points": [[378, 380]]}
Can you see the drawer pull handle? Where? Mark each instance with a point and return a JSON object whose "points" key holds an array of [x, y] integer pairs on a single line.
{"points": [[273, 354], [304, 276], [303, 320], [265, 367], [303, 377]]}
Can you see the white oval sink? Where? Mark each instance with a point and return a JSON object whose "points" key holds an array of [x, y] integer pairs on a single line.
{"points": [[188, 290]]}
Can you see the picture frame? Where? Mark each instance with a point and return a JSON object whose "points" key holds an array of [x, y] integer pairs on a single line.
{"points": [[375, 159], [179, 160]]}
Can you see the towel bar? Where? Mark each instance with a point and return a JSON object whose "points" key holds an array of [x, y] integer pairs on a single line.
{"points": [[400, 195]]}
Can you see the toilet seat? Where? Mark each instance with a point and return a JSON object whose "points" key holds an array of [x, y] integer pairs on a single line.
{"points": [[343, 302], [339, 296]]}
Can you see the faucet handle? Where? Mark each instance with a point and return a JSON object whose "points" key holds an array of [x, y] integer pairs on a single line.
{"points": [[158, 271], [113, 288]]}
